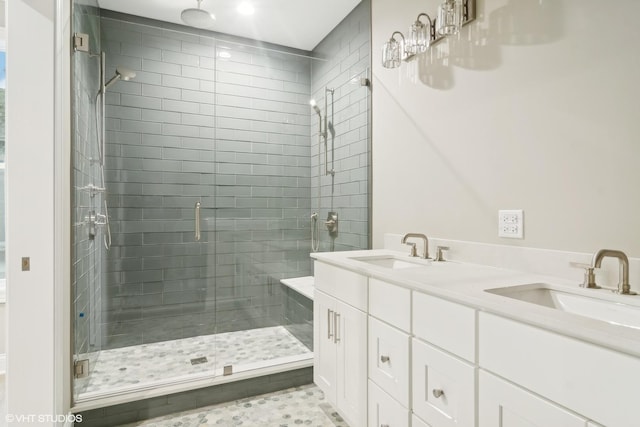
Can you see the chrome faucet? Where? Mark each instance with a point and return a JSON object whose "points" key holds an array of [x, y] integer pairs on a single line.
{"points": [[623, 282], [425, 253]]}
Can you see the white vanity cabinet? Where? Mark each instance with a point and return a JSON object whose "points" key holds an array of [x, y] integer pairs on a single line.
{"points": [[340, 340], [391, 356]]}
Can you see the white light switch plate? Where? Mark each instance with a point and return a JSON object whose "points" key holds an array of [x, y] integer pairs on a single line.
{"points": [[511, 223]]}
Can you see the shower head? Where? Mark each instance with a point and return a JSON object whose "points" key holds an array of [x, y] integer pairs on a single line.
{"points": [[315, 106], [199, 18], [122, 73], [126, 74]]}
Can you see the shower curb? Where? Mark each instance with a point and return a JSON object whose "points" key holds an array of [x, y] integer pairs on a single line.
{"points": [[164, 405]]}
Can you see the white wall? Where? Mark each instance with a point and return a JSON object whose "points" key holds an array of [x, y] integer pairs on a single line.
{"points": [[37, 307], [551, 128], [3, 334]]}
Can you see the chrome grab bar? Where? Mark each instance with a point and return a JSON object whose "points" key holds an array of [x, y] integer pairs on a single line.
{"points": [[197, 234]]}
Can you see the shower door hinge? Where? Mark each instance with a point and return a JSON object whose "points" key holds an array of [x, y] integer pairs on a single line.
{"points": [[81, 368], [81, 42]]}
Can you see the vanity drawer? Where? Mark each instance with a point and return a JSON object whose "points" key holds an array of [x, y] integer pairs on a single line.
{"points": [[342, 284], [445, 324], [385, 411], [443, 387], [390, 303], [505, 404], [417, 422], [389, 359]]}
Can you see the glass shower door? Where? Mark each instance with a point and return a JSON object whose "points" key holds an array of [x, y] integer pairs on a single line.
{"points": [[263, 202]]}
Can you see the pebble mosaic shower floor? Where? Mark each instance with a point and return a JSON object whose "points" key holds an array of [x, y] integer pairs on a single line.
{"points": [[149, 363], [300, 406]]}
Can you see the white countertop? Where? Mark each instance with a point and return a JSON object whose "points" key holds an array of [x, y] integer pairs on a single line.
{"points": [[466, 284]]}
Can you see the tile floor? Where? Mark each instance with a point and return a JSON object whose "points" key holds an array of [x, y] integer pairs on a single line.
{"points": [[300, 406], [149, 363]]}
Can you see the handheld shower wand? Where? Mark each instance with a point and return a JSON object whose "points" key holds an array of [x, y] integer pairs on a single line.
{"points": [[315, 107], [124, 74]]}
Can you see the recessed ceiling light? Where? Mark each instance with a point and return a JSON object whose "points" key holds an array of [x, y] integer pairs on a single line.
{"points": [[246, 8], [224, 54]]}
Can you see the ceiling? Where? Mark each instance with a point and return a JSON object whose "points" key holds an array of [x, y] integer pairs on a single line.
{"points": [[301, 24]]}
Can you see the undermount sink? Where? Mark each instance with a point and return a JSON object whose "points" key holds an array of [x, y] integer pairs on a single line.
{"points": [[614, 309], [393, 262]]}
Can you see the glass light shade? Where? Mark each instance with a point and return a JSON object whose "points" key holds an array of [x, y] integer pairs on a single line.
{"points": [[392, 54], [418, 39], [449, 17]]}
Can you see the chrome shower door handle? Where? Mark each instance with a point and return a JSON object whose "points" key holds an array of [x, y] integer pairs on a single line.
{"points": [[197, 219]]}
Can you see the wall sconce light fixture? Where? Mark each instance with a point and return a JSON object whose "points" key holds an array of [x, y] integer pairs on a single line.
{"points": [[393, 51], [419, 37], [452, 15], [449, 17]]}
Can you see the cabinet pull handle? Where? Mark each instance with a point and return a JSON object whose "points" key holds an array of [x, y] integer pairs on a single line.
{"points": [[384, 359], [336, 325], [437, 392], [329, 334]]}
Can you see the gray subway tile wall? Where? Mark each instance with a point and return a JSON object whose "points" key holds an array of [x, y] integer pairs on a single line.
{"points": [[347, 49], [231, 133]]}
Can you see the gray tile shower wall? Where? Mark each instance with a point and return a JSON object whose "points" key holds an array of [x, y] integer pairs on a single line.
{"points": [[88, 254], [231, 131], [347, 53]]}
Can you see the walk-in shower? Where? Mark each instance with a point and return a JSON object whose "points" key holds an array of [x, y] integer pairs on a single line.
{"points": [[194, 153]]}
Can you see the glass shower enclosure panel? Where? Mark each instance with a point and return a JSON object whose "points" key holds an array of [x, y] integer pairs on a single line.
{"points": [[87, 251], [144, 218], [263, 202]]}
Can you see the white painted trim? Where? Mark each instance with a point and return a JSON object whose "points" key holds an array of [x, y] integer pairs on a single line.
{"points": [[3, 364], [62, 207], [31, 337]]}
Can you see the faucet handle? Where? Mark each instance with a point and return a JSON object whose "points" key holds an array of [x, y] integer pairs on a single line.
{"points": [[414, 252], [589, 276], [439, 250]]}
